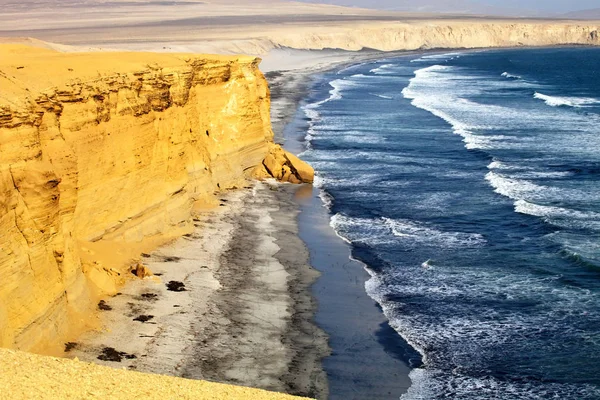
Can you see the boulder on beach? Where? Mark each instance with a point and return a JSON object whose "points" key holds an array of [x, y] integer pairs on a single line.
{"points": [[285, 167]]}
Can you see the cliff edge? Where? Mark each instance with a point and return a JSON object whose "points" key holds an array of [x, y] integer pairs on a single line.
{"points": [[104, 155]]}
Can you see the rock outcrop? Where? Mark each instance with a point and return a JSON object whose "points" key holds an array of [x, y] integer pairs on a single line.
{"points": [[285, 167], [104, 155]]}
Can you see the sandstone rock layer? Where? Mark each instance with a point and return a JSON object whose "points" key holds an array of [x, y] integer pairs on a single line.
{"points": [[285, 167], [102, 154]]}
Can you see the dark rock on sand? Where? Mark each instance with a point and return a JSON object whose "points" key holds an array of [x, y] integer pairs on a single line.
{"points": [[110, 354], [176, 286], [143, 318]]}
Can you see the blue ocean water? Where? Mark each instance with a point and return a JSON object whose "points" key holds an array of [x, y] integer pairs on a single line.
{"points": [[469, 185]]}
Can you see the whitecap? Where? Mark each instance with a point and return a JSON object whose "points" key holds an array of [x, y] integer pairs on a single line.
{"points": [[382, 96], [510, 76], [381, 69], [430, 57], [496, 164], [525, 207], [558, 101], [516, 188], [422, 233]]}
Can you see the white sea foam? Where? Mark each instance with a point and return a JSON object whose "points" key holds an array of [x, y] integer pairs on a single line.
{"points": [[334, 223], [515, 188], [351, 182], [436, 105], [503, 166], [510, 76], [338, 86], [381, 96], [447, 92], [462, 114], [359, 230], [311, 113], [525, 207], [353, 67], [558, 101], [542, 174], [326, 199], [385, 230], [319, 181], [437, 384], [381, 69], [526, 172], [432, 57], [358, 77], [423, 233]]}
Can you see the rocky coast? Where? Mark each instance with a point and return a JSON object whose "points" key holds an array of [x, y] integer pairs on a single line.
{"points": [[120, 162]]}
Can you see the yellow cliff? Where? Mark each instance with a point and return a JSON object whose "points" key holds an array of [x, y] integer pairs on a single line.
{"points": [[103, 155]]}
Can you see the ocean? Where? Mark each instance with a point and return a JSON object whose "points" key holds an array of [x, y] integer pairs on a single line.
{"points": [[468, 183]]}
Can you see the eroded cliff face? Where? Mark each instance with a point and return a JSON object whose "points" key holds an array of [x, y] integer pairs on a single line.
{"points": [[102, 154], [440, 33], [409, 33]]}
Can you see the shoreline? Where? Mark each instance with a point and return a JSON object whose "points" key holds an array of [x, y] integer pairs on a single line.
{"points": [[369, 358]]}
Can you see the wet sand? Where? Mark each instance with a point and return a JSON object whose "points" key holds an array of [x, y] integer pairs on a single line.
{"points": [[369, 359]]}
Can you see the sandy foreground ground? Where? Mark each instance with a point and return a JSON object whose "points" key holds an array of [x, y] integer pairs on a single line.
{"points": [[25, 376]]}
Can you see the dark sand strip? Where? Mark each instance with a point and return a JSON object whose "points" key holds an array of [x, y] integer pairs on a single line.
{"points": [[368, 359]]}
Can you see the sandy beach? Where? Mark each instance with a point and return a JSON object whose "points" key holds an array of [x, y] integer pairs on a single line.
{"points": [[242, 314]]}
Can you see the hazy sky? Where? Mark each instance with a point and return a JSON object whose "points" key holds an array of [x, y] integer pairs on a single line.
{"points": [[532, 7]]}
